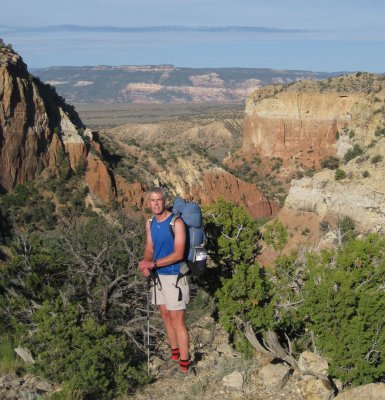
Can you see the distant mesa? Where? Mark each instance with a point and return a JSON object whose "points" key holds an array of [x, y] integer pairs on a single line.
{"points": [[164, 83]]}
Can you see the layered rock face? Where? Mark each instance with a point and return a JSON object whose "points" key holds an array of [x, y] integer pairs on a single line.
{"points": [[299, 121], [209, 184], [163, 83], [360, 195], [37, 128], [25, 132], [34, 125], [306, 122], [218, 183]]}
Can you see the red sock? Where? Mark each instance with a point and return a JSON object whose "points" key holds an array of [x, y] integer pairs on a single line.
{"points": [[184, 365], [175, 354]]}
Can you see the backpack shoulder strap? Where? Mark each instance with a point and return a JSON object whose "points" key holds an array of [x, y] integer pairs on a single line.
{"points": [[172, 223], [174, 218]]}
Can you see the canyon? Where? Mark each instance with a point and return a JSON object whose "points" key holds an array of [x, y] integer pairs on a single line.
{"points": [[39, 132], [286, 131], [319, 144]]}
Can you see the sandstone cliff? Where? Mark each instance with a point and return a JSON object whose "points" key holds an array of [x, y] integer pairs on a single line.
{"points": [[300, 122], [37, 127], [219, 183], [308, 121]]}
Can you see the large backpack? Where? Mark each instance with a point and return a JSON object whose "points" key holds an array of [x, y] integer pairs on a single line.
{"points": [[191, 214]]}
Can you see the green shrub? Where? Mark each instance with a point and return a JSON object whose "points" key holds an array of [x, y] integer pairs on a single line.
{"points": [[91, 267], [81, 168], [343, 304], [353, 153], [232, 235], [365, 174], [376, 159], [79, 351], [330, 162], [276, 166], [340, 174], [332, 300], [310, 172], [275, 235], [380, 131], [244, 296], [324, 226], [9, 362], [5, 226], [347, 228]]}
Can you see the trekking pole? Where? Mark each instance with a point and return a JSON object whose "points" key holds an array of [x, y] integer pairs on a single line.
{"points": [[152, 277], [148, 324]]}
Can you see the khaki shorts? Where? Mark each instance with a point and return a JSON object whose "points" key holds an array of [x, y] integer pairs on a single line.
{"points": [[166, 292]]}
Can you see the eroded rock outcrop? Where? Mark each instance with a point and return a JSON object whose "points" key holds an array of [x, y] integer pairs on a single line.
{"points": [[301, 121], [98, 178], [306, 123], [131, 195], [157, 160], [360, 195], [25, 130], [38, 129], [209, 184], [219, 183]]}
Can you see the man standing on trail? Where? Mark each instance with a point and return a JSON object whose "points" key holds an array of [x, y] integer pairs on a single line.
{"points": [[163, 254]]}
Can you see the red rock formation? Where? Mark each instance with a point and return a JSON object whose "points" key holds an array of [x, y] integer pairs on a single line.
{"points": [[295, 123], [35, 126], [98, 178], [24, 125], [130, 195], [223, 184]]}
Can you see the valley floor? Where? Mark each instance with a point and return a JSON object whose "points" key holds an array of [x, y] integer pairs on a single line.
{"points": [[102, 115]]}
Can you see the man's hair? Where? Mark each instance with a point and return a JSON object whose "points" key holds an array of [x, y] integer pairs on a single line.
{"points": [[157, 189]]}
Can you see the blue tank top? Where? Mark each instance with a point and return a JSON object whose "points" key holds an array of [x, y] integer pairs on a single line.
{"points": [[163, 241]]}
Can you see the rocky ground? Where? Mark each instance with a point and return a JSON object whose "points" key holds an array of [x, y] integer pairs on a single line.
{"points": [[28, 387], [222, 373]]}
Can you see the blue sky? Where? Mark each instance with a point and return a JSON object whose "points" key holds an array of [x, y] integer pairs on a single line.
{"points": [[327, 35]]}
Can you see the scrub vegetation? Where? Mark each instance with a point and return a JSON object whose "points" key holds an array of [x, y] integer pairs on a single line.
{"points": [[70, 293]]}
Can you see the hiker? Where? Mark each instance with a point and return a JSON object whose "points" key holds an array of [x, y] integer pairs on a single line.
{"points": [[163, 255]]}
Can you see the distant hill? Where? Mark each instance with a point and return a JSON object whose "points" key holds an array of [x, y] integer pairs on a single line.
{"points": [[164, 83]]}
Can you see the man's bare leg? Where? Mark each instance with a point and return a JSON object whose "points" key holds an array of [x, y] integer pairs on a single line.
{"points": [[170, 331], [177, 319]]}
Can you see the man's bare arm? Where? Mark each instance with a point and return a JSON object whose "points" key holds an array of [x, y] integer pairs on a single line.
{"points": [[147, 261], [179, 245], [149, 248]]}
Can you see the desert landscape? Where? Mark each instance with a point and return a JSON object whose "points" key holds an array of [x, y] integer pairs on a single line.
{"points": [[287, 168]]}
